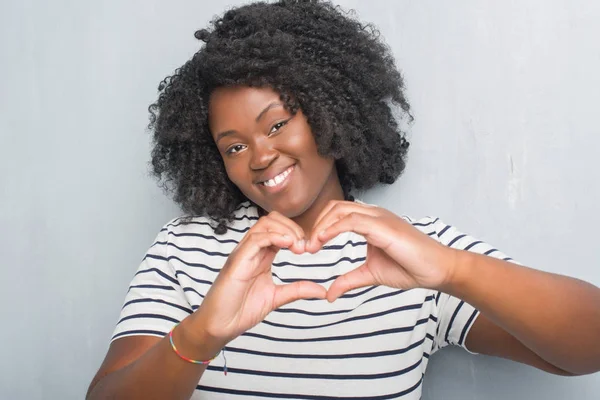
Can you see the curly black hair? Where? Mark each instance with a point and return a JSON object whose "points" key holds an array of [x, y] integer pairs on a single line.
{"points": [[320, 60]]}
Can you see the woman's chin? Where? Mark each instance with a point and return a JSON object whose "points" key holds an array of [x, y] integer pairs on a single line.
{"points": [[290, 208]]}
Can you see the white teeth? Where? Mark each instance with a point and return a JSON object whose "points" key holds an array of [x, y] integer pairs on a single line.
{"points": [[278, 179]]}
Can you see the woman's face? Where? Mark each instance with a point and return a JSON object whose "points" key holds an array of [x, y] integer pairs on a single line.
{"points": [[270, 154]]}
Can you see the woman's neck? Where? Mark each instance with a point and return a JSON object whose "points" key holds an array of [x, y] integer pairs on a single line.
{"points": [[332, 190]]}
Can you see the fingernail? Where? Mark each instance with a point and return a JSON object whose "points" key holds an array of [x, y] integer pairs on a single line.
{"points": [[301, 243]]}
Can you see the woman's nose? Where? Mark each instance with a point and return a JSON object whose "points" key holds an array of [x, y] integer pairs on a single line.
{"points": [[263, 155]]}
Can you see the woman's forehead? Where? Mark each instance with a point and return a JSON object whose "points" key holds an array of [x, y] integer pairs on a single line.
{"points": [[242, 101]]}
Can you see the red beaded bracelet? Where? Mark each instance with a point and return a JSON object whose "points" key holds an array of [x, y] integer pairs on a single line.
{"points": [[195, 361]]}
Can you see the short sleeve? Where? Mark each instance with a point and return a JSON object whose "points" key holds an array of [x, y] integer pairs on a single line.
{"points": [[455, 317], [155, 301]]}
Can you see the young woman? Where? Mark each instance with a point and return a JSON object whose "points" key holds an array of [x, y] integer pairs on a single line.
{"points": [[277, 283]]}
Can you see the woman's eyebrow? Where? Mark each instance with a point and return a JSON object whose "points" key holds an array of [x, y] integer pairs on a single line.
{"points": [[267, 108], [223, 134]]}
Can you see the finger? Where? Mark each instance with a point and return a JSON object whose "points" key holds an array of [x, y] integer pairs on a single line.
{"points": [[354, 279], [288, 222], [285, 294], [326, 210], [274, 224], [336, 213], [257, 241], [293, 226], [371, 227], [332, 209], [340, 206]]}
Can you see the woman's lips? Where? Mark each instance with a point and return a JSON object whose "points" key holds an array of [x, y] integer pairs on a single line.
{"points": [[278, 182]]}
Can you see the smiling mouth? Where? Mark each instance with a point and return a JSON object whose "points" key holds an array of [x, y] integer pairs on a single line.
{"points": [[279, 179]]}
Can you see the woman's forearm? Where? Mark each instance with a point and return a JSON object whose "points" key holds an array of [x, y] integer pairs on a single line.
{"points": [[159, 373], [555, 316]]}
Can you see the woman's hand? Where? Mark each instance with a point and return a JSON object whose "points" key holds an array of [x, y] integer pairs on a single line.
{"points": [[398, 255], [244, 293]]}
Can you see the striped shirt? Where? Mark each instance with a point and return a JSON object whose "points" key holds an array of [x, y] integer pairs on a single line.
{"points": [[372, 343]]}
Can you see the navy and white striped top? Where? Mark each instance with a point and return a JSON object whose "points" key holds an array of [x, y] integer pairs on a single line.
{"points": [[372, 343]]}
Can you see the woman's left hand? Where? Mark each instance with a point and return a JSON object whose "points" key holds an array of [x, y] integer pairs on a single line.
{"points": [[398, 255]]}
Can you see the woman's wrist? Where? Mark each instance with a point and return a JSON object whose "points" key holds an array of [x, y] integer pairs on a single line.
{"points": [[193, 341], [455, 262]]}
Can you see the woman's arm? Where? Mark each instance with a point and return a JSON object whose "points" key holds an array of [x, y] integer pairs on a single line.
{"points": [[147, 367], [556, 317], [241, 296], [485, 337]]}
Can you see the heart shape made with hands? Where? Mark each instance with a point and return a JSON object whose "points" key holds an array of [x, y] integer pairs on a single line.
{"points": [[398, 254]]}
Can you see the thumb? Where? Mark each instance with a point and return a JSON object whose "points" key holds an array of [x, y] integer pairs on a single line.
{"points": [[288, 293], [360, 277]]}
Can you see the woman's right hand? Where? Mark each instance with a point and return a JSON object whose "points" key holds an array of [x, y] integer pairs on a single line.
{"points": [[244, 293]]}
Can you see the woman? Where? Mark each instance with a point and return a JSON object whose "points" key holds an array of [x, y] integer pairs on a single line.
{"points": [[277, 283]]}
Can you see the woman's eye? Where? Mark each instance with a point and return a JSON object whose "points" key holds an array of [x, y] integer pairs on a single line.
{"points": [[235, 149], [277, 126]]}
